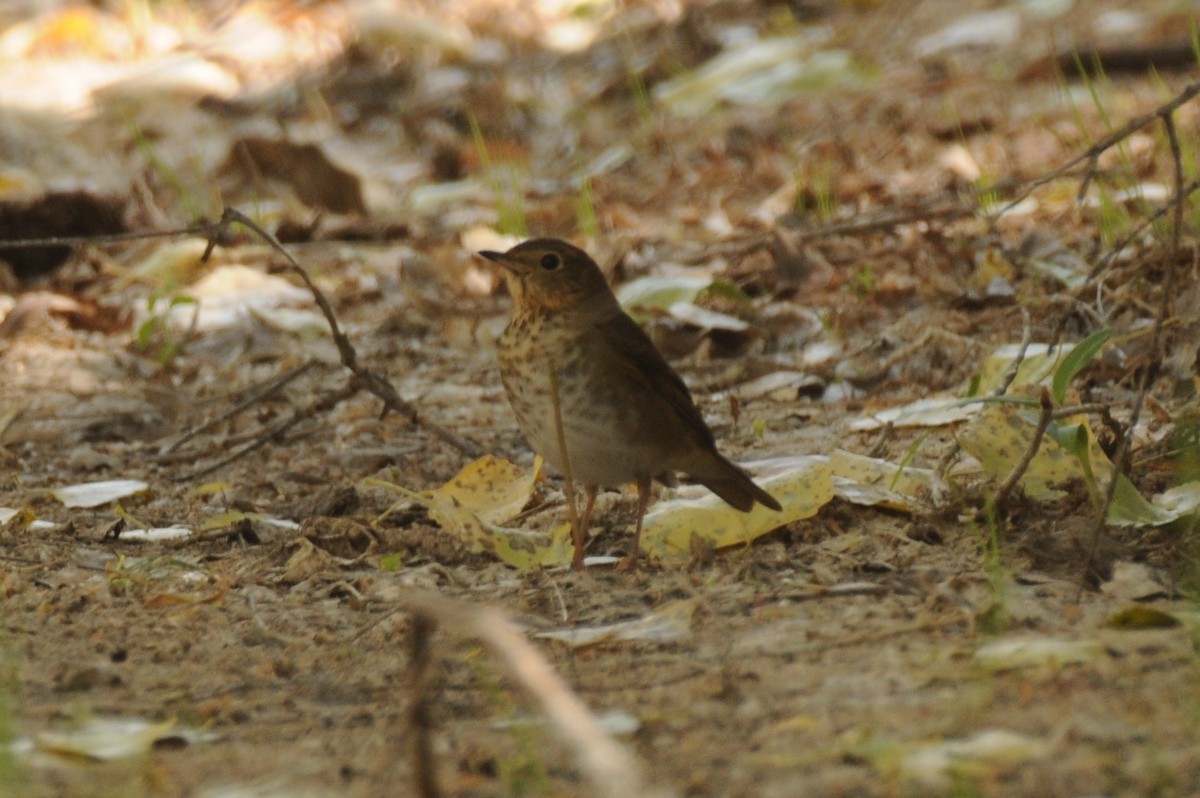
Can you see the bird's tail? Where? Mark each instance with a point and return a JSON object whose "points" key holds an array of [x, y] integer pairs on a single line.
{"points": [[732, 484]]}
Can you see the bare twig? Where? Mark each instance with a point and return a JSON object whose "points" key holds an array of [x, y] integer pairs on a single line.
{"points": [[420, 721], [1158, 341], [213, 231], [1116, 249], [1035, 443], [321, 405], [1075, 410], [1026, 337], [362, 377], [610, 769], [273, 387], [1092, 154], [937, 209], [890, 219]]}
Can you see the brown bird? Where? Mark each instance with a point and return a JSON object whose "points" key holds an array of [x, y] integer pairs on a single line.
{"points": [[625, 415]]}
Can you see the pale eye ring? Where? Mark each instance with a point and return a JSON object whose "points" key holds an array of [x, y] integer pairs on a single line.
{"points": [[551, 261]]}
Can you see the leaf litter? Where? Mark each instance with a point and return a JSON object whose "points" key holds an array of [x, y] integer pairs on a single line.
{"points": [[856, 619]]}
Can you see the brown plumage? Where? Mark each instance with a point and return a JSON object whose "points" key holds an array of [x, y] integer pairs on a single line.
{"points": [[626, 415]]}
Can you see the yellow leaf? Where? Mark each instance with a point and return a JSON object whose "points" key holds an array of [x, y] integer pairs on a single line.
{"points": [[1037, 367], [1139, 616], [485, 492], [998, 438], [870, 481], [491, 488], [674, 528]]}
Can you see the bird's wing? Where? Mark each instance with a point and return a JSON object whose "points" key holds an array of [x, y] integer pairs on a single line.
{"points": [[638, 359]]}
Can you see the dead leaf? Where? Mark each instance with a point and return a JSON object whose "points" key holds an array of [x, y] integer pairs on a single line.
{"points": [[317, 181]]}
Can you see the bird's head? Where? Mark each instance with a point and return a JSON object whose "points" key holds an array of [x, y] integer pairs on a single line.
{"points": [[552, 275]]}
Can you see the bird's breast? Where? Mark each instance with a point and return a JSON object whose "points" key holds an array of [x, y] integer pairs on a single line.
{"points": [[544, 362]]}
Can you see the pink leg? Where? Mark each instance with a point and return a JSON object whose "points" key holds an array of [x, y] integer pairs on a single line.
{"points": [[579, 533], [629, 561]]}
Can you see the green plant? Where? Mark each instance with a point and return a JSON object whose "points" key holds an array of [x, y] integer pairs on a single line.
{"points": [[1114, 217], [506, 187], [166, 172], [1080, 355], [642, 103], [585, 209], [909, 454], [989, 197], [1077, 440], [824, 198], [815, 194], [862, 282], [994, 617], [156, 334]]}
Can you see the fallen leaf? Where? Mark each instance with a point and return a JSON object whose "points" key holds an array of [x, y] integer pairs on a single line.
{"points": [[317, 180], [673, 528], [941, 763], [94, 494], [1140, 616], [870, 481], [488, 490], [670, 623], [1013, 654], [104, 739]]}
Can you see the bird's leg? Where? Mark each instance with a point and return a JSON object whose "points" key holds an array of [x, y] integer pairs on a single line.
{"points": [[629, 561], [579, 533]]}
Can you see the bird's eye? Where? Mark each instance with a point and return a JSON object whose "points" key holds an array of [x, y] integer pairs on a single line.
{"points": [[551, 261]]}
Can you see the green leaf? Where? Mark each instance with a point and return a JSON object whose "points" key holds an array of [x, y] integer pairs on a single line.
{"points": [[1130, 508], [1076, 359], [144, 332], [727, 289], [1073, 437]]}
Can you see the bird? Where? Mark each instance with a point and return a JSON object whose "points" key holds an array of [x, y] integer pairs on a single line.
{"points": [[593, 396]]}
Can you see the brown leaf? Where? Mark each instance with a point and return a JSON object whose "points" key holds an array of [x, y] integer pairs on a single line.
{"points": [[317, 181]]}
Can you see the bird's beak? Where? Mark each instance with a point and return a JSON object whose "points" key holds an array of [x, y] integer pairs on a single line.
{"points": [[509, 264]]}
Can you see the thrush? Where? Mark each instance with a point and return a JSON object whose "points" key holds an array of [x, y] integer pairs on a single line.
{"points": [[591, 393]]}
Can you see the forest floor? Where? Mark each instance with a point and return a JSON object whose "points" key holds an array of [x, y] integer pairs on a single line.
{"points": [[842, 183]]}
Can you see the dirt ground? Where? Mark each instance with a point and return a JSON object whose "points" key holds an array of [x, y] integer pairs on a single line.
{"points": [[843, 655]]}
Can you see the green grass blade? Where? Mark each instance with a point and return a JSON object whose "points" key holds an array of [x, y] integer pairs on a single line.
{"points": [[1073, 363]]}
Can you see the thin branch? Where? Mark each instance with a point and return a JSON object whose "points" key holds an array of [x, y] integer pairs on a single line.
{"points": [[888, 220], [1014, 367], [1116, 249], [321, 405], [362, 377], [213, 231], [273, 387], [1158, 341], [420, 719], [1035, 443], [1067, 412], [611, 770], [1109, 141]]}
